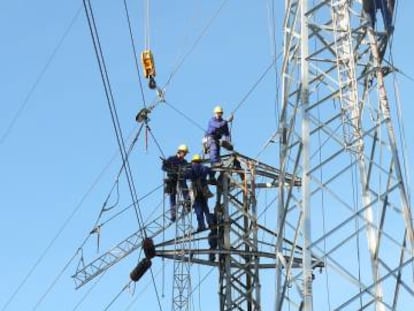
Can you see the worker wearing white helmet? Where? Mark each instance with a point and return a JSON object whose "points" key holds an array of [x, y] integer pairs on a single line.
{"points": [[175, 167]]}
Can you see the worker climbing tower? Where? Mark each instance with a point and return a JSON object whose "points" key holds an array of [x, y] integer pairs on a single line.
{"points": [[353, 211]]}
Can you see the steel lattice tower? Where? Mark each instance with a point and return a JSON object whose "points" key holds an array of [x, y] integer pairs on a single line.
{"points": [[342, 203], [353, 210]]}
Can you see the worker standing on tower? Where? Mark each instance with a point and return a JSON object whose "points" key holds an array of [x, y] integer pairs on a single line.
{"points": [[198, 175], [175, 167], [217, 135]]}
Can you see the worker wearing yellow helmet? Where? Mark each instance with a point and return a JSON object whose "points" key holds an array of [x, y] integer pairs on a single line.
{"points": [[175, 167], [217, 132], [198, 174]]}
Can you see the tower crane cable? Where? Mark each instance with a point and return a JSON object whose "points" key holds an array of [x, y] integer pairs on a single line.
{"points": [[112, 107]]}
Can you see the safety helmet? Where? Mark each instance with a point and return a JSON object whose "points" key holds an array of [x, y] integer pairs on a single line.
{"points": [[218, 109], [183, 148], [196, 158]]}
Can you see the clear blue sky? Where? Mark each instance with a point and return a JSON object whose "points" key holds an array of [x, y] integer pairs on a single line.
{"points": [[57, 137]]}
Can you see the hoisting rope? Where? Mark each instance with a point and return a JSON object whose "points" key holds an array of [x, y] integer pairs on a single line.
{"points": [[134, 52], [147, 42], [112, 108]]}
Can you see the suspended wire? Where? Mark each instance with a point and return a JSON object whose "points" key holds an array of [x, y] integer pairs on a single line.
{"points": [[116, 183], [141, 292], [53, 283], [194, 45], [134, 51], [39, 78], [358, 253], [117, 295], [115, 121], [321, 176], [128, 207], [189, 119], [61, 229], [402, 135], [147, 25], [155, 140], [401, 127], [254, 86], [88, 292], [272, 33], [57, 235], [112, 107]]}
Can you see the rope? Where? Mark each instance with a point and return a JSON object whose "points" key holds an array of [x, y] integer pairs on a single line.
{"points": [[254, 86], [134, 51], [194, 45], [191, 120], [147, 25], [155, 140]]}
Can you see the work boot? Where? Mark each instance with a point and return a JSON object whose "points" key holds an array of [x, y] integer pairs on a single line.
{"points": [[173, 218], [212, 257]]}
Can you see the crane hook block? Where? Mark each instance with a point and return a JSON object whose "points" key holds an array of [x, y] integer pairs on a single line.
{"points": [[140, 269], [149, 248], [148, 64]]}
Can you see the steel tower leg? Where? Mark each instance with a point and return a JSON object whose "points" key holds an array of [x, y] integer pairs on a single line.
{"points": [[238, 264], [336, 132]]}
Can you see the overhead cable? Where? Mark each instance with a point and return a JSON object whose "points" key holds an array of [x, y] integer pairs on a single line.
{"points": [[112, 108], [40, 77]]}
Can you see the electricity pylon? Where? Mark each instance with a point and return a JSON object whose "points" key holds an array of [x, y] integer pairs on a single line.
{"points": [[342, 202], [353, 210]]}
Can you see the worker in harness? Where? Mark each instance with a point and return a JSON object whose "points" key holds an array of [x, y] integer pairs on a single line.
{"points": [[175, 167], [198, 174], [217, 135]]}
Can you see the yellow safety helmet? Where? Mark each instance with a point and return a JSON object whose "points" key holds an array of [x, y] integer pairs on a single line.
{"points": [[218, 109], [196, 158], [183, 148]]}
